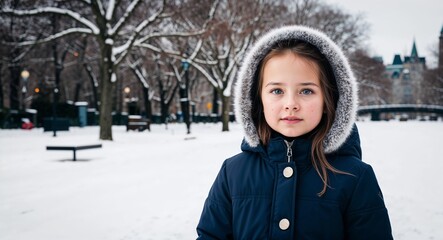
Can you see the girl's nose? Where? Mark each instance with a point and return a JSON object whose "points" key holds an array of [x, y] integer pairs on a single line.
{"points": [[292, 103]]}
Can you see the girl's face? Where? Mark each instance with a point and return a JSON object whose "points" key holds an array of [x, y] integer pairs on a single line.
{"points": [[291, 95]]}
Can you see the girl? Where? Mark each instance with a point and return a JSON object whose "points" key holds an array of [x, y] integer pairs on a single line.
{"points": [[300, 174]]}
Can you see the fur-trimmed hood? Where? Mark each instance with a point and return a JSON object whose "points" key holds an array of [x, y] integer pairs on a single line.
{"points": [[346, 83]]}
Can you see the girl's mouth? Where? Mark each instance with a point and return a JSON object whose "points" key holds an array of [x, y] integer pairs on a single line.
{"points": [[291, 119]]}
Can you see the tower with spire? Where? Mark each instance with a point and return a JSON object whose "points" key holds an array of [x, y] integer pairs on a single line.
{"points": [[407, 75], [414, 58]]}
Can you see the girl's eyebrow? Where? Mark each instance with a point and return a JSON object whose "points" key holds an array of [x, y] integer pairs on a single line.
{"points": [[301, 84], [308, 84], [274, 84]]}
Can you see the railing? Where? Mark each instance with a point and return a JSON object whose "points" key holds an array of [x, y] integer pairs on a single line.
{"points": [[376, 110]]}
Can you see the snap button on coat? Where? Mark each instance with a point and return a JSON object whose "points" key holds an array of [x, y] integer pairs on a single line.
{"points": [[284, 224], [287, 172]]}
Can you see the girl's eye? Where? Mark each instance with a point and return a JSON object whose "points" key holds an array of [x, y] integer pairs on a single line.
{"points": [[306, 92], [277, 91]]}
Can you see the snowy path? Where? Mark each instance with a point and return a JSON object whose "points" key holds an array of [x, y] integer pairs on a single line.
{"points": [[152, 185]]}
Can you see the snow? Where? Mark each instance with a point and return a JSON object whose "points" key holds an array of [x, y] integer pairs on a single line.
{"points": [[141, 76], [110, 11], [76, 16], [109, 41], [152, 185], [120, 49], [113, 77], [228, 90]]}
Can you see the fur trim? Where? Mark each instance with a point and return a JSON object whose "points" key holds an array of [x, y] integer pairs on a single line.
{"points": [[346, 83]]}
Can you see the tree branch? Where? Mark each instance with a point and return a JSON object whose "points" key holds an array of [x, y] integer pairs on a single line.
{"points": [[175, 54], [65, 12], [52, 37], [100, 7], [123, 49], [123, 19], [110, 10]]}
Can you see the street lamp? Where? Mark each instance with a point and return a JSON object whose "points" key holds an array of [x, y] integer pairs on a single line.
{"points": [[185, 64], [185, 97], [127, 90], [25, 75], [126, 99], [54, 111]]}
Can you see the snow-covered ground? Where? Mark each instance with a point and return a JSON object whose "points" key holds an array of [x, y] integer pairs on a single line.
{"points": [[152, 185]]}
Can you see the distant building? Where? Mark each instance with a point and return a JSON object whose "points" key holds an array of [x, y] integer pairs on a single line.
{"points": [[407, 75]]}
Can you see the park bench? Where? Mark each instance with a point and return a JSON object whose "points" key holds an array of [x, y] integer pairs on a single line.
{"points": [[73, 148], [136, 122]]}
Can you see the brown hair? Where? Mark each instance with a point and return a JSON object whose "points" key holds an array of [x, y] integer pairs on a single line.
{"points": [[329, 89]]}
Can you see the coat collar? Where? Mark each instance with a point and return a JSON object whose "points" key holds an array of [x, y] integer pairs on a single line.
{"points": [[276, 150], [301, 151]]}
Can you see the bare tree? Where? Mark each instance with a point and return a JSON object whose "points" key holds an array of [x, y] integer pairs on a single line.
{"points": [[347, 30], [113, 26], [374, 86], [432, 87], [142, 76], [163, 78], [14, 57], [227, 30], [218, 53], [237, 25]]}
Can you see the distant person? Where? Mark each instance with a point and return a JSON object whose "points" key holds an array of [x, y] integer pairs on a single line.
{"points": [[27, 124], [300, 173]]}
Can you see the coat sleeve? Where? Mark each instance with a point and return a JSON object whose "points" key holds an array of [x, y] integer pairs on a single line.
{"points": [[367, 216], [216, 219]]}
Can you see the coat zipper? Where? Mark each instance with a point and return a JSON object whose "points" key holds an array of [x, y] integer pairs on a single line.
{"points": [[289, 151]]}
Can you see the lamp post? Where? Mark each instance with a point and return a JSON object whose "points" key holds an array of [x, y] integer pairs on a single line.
{"points": [[126, 99], [54, 111], [25, 75], [184, 98], [127, 90]]}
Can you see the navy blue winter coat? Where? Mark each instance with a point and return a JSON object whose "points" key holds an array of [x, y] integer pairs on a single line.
{"points": [[254, 197]]}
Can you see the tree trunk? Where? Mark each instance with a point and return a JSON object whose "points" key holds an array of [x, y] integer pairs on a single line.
{"points": [[106, 107], [1, 87], [184, 103], [57, 72], [77, 91], [164, 107], [13, 87], [93, 85], [164, 111], [215, 101], [225, 112], [147, 102], [106, 93], [187, 103]]}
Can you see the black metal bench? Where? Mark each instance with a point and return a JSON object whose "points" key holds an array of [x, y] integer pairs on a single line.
{"points": [[136, 122], [73, 148]]}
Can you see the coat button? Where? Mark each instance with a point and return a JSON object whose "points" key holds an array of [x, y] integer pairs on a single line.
{"points": [[287, 172], [284, 224]]}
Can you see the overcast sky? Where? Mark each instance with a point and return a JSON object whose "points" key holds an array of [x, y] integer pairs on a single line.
{"points": [[395, 23]]}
